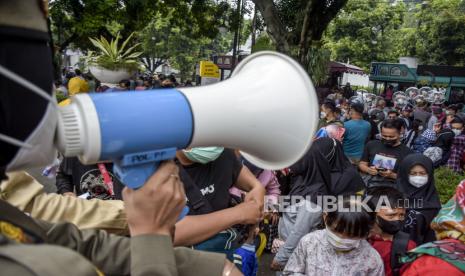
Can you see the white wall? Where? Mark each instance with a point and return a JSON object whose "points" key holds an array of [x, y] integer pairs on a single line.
{"points": [[355, 79], [411, 62]]}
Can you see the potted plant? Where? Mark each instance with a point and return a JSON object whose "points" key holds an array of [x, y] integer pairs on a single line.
{"points": [[113, 62]]}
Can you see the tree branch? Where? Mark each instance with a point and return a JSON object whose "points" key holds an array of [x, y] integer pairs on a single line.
{"points": [[303, 45]]}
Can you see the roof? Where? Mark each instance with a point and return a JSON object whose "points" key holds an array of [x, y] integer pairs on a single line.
{"points": [[441, 70], [340, 67]]}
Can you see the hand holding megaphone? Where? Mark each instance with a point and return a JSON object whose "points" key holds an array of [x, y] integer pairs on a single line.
{"points": [[155, 207], [268, 109]]}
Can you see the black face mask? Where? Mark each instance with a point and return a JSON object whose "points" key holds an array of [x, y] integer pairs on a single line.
{"points": [[390, 227], [389, 143]]}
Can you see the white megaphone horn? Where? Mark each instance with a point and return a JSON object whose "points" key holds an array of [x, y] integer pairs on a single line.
{"points": [[268, 109]]}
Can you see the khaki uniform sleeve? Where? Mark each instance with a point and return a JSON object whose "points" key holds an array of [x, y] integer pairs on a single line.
{"points": [[26, 194], [194, 262], [140, 255], [109, 253], [147, 258]]}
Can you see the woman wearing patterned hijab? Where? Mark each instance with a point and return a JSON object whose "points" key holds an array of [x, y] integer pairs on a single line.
{"points": [[424, 141], [446, 256]]}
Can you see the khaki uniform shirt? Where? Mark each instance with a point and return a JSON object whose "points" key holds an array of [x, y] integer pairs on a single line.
{"points": [[25, 193], [71, 251]]}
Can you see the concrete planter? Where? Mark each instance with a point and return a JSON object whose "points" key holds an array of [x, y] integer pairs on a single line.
{"points": [[109, 76]]}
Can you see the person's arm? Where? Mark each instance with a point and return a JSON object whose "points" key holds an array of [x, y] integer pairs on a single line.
{"points": [[365, 167], [195, 229], [246, 181], [141, 255], [28, 195], [272, 185], [152, 212], [308, 217], [364, 164], [64, 181], [378, 266], [388, 174]]}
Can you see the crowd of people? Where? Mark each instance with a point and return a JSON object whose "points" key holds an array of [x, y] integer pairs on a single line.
{"points": [[386, 151], [381, 153], [73, 81]]}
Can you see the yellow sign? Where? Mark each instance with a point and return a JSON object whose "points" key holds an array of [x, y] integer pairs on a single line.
{"points": [[209, 69]]}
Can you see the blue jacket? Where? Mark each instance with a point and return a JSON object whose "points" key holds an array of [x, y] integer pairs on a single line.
{"points": [[249, 260]]}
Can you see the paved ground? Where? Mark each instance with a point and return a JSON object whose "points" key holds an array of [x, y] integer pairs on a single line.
{"points": [[264, 265]]}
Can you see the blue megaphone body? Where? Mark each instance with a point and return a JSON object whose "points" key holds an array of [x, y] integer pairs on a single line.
{"points": [[268, 109], [128, 129]]}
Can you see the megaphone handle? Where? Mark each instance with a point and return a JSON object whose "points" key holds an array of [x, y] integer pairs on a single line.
{"points": [[136, 175]]}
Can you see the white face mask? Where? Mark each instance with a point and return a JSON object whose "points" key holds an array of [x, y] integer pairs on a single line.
{"points": [[418, 180], [457, 132], [322, 114], [420, 128], [39, 148], [341, 244]]}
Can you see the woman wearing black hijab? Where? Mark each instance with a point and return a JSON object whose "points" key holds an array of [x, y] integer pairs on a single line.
{"points": [[310, 178], [324, 170], [345, 179], [416, 181]]}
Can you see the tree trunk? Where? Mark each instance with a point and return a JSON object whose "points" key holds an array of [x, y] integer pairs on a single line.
{"points": [[275, 27], [254, 26], [303, 44], [65, 43], [236, 34]]}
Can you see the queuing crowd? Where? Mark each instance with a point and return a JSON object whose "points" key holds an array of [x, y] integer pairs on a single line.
{"points": [[73, 81], [381, 152]]}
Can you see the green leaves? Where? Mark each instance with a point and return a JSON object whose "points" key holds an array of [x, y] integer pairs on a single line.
{"points": [[441, 33], [318, 58], [366, 31], [446, 182], [165, 39], [112, 56]]}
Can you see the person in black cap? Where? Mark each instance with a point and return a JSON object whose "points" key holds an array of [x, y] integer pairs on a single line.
{"points": [[357, 132], [407, 116]]}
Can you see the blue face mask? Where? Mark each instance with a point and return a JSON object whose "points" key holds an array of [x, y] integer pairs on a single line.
{"points": [[203, 155]]}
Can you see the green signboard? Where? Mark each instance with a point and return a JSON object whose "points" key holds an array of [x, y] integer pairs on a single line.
{"points": [[391, 72]]}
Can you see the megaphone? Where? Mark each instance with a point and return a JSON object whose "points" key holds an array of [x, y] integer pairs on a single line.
{"points": [[268, 109]]}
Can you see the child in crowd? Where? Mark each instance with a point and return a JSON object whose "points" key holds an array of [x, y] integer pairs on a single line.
{"points": [[341, 248], [386, 236]]}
